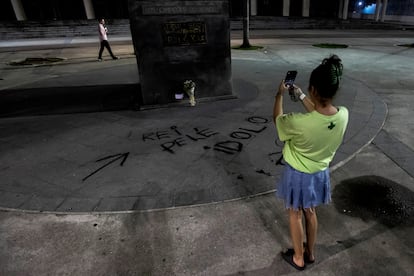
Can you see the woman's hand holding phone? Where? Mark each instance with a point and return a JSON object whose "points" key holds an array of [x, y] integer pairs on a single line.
{"points": [[282, 87]]}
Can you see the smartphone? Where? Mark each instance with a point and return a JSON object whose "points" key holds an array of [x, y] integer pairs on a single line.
{"points": [[290, 78]]}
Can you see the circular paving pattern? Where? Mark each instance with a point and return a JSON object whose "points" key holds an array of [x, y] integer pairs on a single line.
{"points": [[168, 157]]}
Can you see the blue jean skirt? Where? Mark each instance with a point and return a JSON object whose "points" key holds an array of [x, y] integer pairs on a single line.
{"points": [[303, 190]]}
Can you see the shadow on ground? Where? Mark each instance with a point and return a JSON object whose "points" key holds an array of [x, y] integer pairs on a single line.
{"points": [[63, 100], [375, 198]]}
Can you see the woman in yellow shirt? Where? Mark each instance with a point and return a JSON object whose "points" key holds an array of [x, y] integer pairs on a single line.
{"points": [[311, 140]]}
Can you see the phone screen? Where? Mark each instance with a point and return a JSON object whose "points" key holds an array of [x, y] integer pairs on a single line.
{"points": [[290, 77]]}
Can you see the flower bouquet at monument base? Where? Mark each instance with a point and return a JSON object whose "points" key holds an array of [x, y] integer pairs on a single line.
{"points": [[189, 88]]}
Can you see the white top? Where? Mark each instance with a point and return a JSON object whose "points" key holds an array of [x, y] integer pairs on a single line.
{"points": [[102, 32]]}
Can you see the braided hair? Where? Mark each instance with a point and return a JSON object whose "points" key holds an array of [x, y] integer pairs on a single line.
{"points": [[326, 78]]}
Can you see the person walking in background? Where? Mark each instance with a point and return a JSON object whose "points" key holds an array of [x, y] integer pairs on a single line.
{"points": [[311, 141], [103, 37]]}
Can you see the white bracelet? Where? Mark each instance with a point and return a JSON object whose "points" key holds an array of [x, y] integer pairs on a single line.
{"points": [[302, 96]]}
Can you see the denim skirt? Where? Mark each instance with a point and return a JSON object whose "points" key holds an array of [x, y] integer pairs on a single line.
{"points": [[303, 190]]}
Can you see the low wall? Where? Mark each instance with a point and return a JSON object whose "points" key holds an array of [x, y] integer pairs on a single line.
{"points": [[73, 28], [401, 19]]}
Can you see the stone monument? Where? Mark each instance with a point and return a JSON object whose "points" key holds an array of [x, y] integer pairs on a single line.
{"points": [[175, 41]]}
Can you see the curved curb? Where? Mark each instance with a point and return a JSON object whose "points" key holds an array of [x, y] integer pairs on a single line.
{"points": [[381, 110], [240, 184], [368, 133]]}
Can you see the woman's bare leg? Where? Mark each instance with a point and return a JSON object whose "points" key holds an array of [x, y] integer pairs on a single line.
{"points": [[311, 231], [296, 233]]}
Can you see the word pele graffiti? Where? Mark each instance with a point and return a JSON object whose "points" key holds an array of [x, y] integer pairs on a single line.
{"points": [[179, 139], [176, 138]]}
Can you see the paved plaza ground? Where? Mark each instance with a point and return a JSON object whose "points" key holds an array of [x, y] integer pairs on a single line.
{"points": [[93, 186]]}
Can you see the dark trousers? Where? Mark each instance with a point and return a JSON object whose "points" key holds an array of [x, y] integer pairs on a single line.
{"points": [[105, 44]]}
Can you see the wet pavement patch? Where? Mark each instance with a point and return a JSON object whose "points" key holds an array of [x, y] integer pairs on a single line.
{"points": [[375, 198], [330, 45], [247, 48], [36, 61], [407, 45]]}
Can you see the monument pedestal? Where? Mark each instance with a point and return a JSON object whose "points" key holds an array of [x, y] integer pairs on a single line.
{"points": [[177, 41]]}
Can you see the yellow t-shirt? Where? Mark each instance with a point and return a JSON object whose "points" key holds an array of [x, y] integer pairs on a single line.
{"points": [[311, 139]]}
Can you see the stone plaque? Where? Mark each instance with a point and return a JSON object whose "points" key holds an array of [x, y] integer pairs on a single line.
{"points": [[181, 40], [184, 33]]}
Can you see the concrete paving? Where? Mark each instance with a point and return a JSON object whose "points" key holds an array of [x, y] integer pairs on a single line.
{"points": [[179, 190]]}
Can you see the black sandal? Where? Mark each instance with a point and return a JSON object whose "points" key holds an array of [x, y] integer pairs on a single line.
{"points": [[291, 251], [288, 257], [306, 255], [307, 259]]}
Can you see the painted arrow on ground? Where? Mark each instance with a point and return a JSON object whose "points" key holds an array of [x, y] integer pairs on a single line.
{"points": [[113, 158]]}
